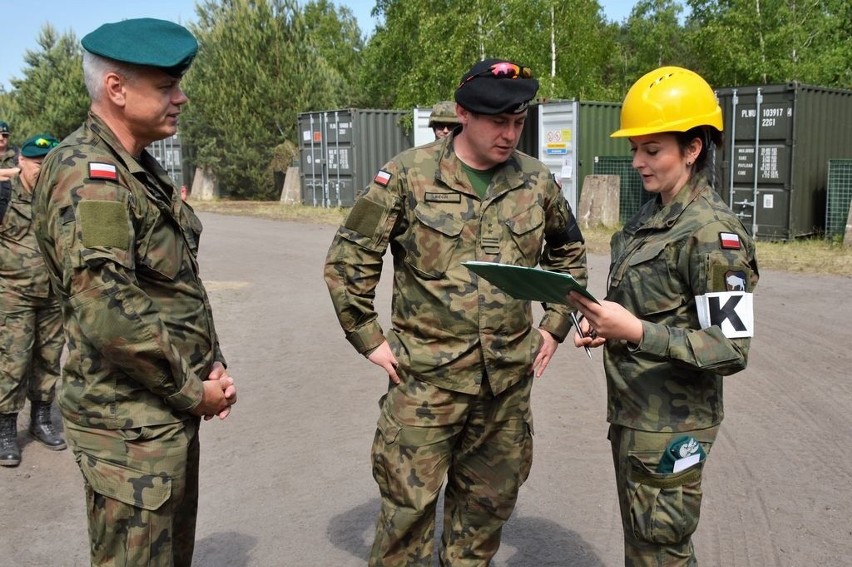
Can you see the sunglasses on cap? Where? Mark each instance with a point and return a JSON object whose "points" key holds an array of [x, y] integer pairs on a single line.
{"points": [[502, 70], [45, 143]]}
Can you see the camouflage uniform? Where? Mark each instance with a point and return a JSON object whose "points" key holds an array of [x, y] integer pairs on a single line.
{"points": [[121, 248], [670, 384], [32, 340], [465, 349], [9, 158]]}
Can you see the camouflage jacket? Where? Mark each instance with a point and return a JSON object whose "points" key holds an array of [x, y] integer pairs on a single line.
{"points": [[449, 327], [23, 276], [9, 158], [664, 261], [121, 247]]}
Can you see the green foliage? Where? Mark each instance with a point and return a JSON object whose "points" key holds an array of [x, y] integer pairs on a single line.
{"points": [[652, 37], [51, 96], [772, 41], [260, 63], [423, 47]]}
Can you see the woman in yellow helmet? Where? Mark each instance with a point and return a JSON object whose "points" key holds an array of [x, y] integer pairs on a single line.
{"points": [[677, 316]]}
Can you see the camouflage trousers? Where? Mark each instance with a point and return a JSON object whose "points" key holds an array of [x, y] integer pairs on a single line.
{"points": [[141, 492], [481, 444], [30, 346], [659, 512]]}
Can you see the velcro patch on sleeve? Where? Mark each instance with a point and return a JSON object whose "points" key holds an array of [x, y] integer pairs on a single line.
{"points": [[732, 311], [730, 241], [100, 170], [364, 217], [383, 178], [104, 224]]}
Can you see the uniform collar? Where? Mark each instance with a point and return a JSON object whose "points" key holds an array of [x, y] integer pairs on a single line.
{"points": [[143, 167], [507, 175], [660, 217]]}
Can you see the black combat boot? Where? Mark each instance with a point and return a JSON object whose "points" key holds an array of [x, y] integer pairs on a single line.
{"points": [[10, 452], [42, 428]]}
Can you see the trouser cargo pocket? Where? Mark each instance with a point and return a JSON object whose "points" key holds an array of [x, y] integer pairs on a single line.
{"points": [[664, 508]]}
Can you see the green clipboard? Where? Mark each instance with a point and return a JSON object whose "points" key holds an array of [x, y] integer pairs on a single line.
{"points": [[532, 284]]}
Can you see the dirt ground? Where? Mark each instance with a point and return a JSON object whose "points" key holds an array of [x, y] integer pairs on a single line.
{"points": [[286, 479]]}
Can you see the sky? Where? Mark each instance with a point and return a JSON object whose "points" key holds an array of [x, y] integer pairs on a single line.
{"points": [[24, 19]]}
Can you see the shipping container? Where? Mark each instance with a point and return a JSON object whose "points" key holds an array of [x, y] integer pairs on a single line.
{"points": [[774, 162], [340, 151], [169, 153]]}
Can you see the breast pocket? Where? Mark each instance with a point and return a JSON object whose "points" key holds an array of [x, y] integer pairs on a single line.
{"points": [[655, 281], [526, 232], [162, 249], [432, 241]]}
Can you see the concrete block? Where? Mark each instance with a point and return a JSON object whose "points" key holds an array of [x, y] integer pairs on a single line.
{"points": [[291, 192], [599, 201]]}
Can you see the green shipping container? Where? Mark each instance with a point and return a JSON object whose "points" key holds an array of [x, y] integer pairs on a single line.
{"points": [[773, 165], [340, 152]]}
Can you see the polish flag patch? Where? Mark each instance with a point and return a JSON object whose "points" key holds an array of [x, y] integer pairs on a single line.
{"points": [[102, 171], [730, 241], [382, 178]]}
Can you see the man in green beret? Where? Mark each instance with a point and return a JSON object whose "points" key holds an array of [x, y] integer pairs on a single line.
{"points": [[144, 363], [8, 154], [32, 339], [461, 355]]}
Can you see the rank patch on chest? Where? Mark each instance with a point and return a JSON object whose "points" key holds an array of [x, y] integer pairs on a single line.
{"points": [[729, 241], [102, 171], [443, 197], [383, 178]]}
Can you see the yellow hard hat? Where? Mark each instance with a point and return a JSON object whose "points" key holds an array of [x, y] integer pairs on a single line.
{"points": [[668, 99]]}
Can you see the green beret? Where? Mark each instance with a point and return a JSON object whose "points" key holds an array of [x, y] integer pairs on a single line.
{"points": [[496, 86], [38, 146], [4, 127], [145, 41]]}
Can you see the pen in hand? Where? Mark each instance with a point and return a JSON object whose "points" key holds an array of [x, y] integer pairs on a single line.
{"points": [[580, 332]]}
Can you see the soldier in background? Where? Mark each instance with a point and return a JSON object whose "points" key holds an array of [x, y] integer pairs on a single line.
{"points": [[8, 154], [443, 119], [461, 355], [31, 337], [144, 363], [678, 317]]}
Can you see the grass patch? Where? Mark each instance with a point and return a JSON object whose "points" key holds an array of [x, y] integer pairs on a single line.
{"points": [[814, 256]]}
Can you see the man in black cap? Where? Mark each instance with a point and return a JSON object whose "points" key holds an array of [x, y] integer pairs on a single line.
{"points": [[144, 363], [460, 355]]}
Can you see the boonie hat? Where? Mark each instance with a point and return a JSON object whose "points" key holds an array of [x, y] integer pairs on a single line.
{"points": [[443, 112], [145, 41], [495, 86], [38, 146]]}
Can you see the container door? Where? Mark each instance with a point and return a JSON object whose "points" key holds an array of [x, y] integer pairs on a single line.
{"points": [[756, 165], [340, 163], [312, 164], [557, 126]]}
